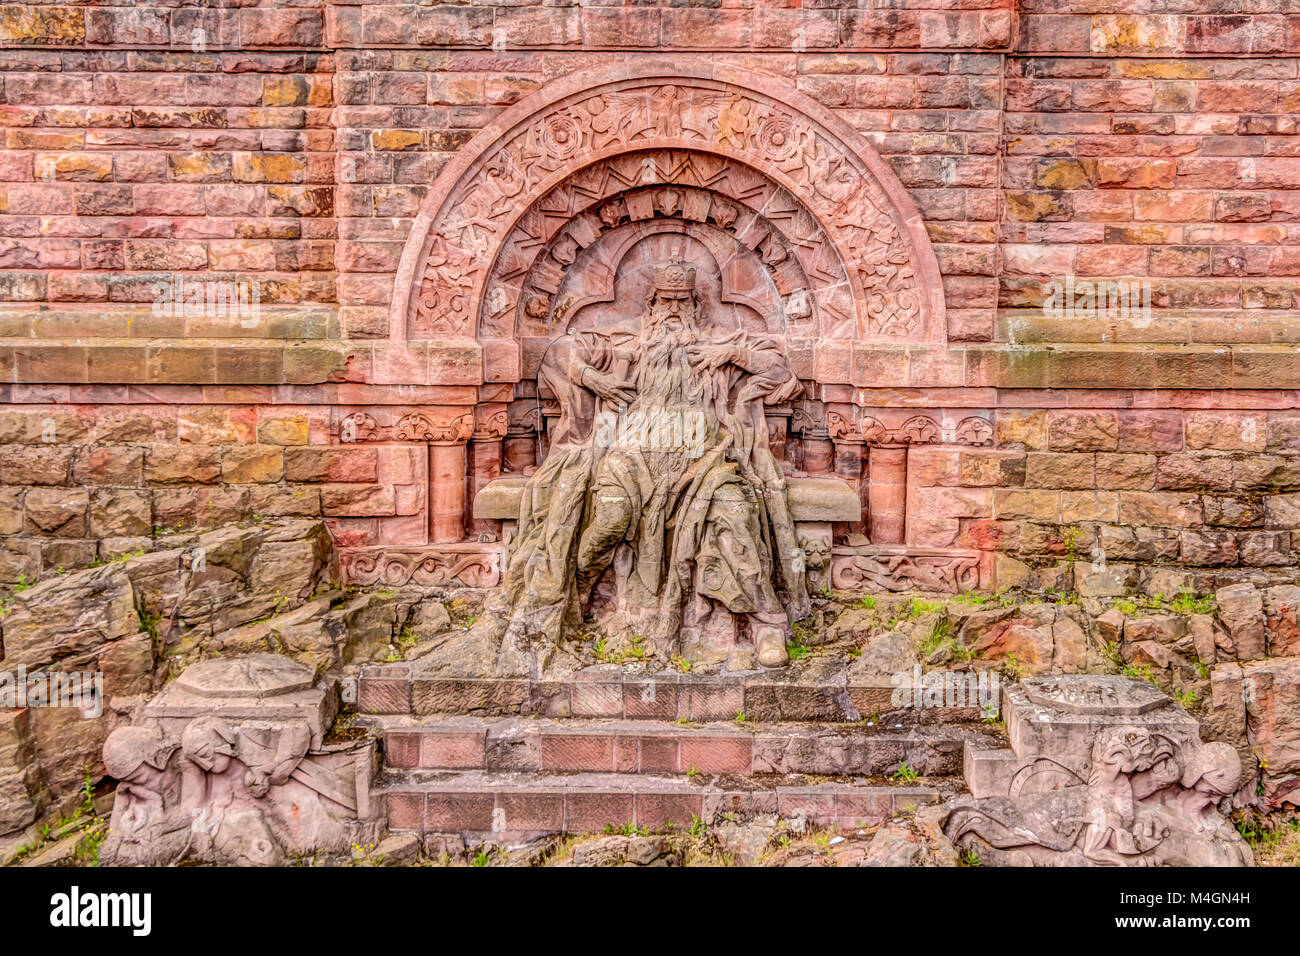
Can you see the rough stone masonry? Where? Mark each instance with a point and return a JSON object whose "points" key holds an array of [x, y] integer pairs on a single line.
{"points": [[1035, 265]]}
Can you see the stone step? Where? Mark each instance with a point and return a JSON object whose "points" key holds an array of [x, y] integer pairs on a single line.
{"points": [[609, 691], [661, 747], [516, 807]]}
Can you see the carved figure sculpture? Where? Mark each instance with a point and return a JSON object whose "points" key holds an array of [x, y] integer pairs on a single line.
{"points": [[203, 780], [149, 818], [660, 462], [1148, 800]]}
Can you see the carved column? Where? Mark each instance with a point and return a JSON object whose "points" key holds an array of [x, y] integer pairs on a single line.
{"points": [[851, 464], [484, 462], [818, 452], [887, 494], [446, 432], [447, 492]]}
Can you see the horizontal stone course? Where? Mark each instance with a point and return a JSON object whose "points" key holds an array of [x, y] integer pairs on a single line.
{"points": [[398, 689], [519, 804], [623, 746], [257, 362]]}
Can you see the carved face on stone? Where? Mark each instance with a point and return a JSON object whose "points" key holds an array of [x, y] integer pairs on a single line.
{"points": [[674, 306], [136, 754], [1214, 769]]}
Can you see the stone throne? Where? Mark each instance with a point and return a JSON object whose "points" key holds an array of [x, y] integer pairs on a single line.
{"points": [[601, 305]]}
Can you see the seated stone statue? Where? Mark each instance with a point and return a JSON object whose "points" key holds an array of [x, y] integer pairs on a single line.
{"points": [[660, 465]]}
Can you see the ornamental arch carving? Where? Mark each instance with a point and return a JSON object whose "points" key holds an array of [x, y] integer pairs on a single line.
{"points": [[555, 218], [788, 198]]}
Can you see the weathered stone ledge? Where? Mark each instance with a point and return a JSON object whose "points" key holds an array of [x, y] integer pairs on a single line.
{"points": [[608, 691], [640, 746], [120, 321], [197, 361], [1165, 327], [470, 802]]}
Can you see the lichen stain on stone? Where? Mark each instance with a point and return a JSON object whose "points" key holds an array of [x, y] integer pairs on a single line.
{"points": [[39, 26]]}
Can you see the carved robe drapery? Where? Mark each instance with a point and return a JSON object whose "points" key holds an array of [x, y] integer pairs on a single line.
{"points": [[710, 524]]}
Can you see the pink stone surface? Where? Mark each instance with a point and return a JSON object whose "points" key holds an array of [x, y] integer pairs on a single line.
{"points": [[407, 272]]}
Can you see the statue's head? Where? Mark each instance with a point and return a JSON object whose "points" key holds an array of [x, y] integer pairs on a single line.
{"points": [[674, 304], [128, 750], [209, 743], [1213, 768]]}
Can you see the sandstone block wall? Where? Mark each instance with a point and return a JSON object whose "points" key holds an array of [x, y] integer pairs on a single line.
{"points": [[292, 147]]}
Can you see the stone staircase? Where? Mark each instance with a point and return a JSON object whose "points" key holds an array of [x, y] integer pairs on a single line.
{"points": [[513, 759]]}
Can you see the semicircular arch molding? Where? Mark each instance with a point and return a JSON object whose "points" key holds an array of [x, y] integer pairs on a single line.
{"points": [[816, 175], [524, 289]]}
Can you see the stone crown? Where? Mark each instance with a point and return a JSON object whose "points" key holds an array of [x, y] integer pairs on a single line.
{"points": [[675, 276]]}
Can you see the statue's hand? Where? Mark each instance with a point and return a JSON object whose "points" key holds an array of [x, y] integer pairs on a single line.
{"points": [[611, 389], [713, 356]]}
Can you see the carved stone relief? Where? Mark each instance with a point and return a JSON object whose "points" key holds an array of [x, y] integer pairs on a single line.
{"points": [[659, 472], [743, 154], [428, 426], [865, 567], [1102, 771], [470, 565], [230, 765]]}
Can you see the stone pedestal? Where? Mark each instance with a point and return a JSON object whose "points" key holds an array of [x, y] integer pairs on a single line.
{"points": [[261, 687], [1060, 718]]}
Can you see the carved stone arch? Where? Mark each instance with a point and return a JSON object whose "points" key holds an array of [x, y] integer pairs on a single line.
{"points": [[705, 190], [743, 280], [730, 280], [837, 182]]}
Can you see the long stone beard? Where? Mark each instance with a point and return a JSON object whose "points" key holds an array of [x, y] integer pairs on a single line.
{"points": [[665, 373], [658, 324]]}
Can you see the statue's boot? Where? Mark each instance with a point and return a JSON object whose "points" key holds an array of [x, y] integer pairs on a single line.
{"points": [[769, 639]]}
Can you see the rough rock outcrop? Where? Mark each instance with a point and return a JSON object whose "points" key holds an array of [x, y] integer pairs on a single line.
{"points": [[130, 621]]}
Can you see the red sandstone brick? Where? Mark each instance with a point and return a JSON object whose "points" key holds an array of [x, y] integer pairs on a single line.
{"points": [[281, 28], [592, 812], [1226, 431], [383, 696], [1082, 431], [714, 701], [577, 752], [627, 754], [530, 811], [818, 805], [331, 464], [1143, 430], [402, 750], [655, 810], [731, 754], [406, 811], [596, 699], [649, 699], [452, 812], [659, 754], [863, 809]]}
